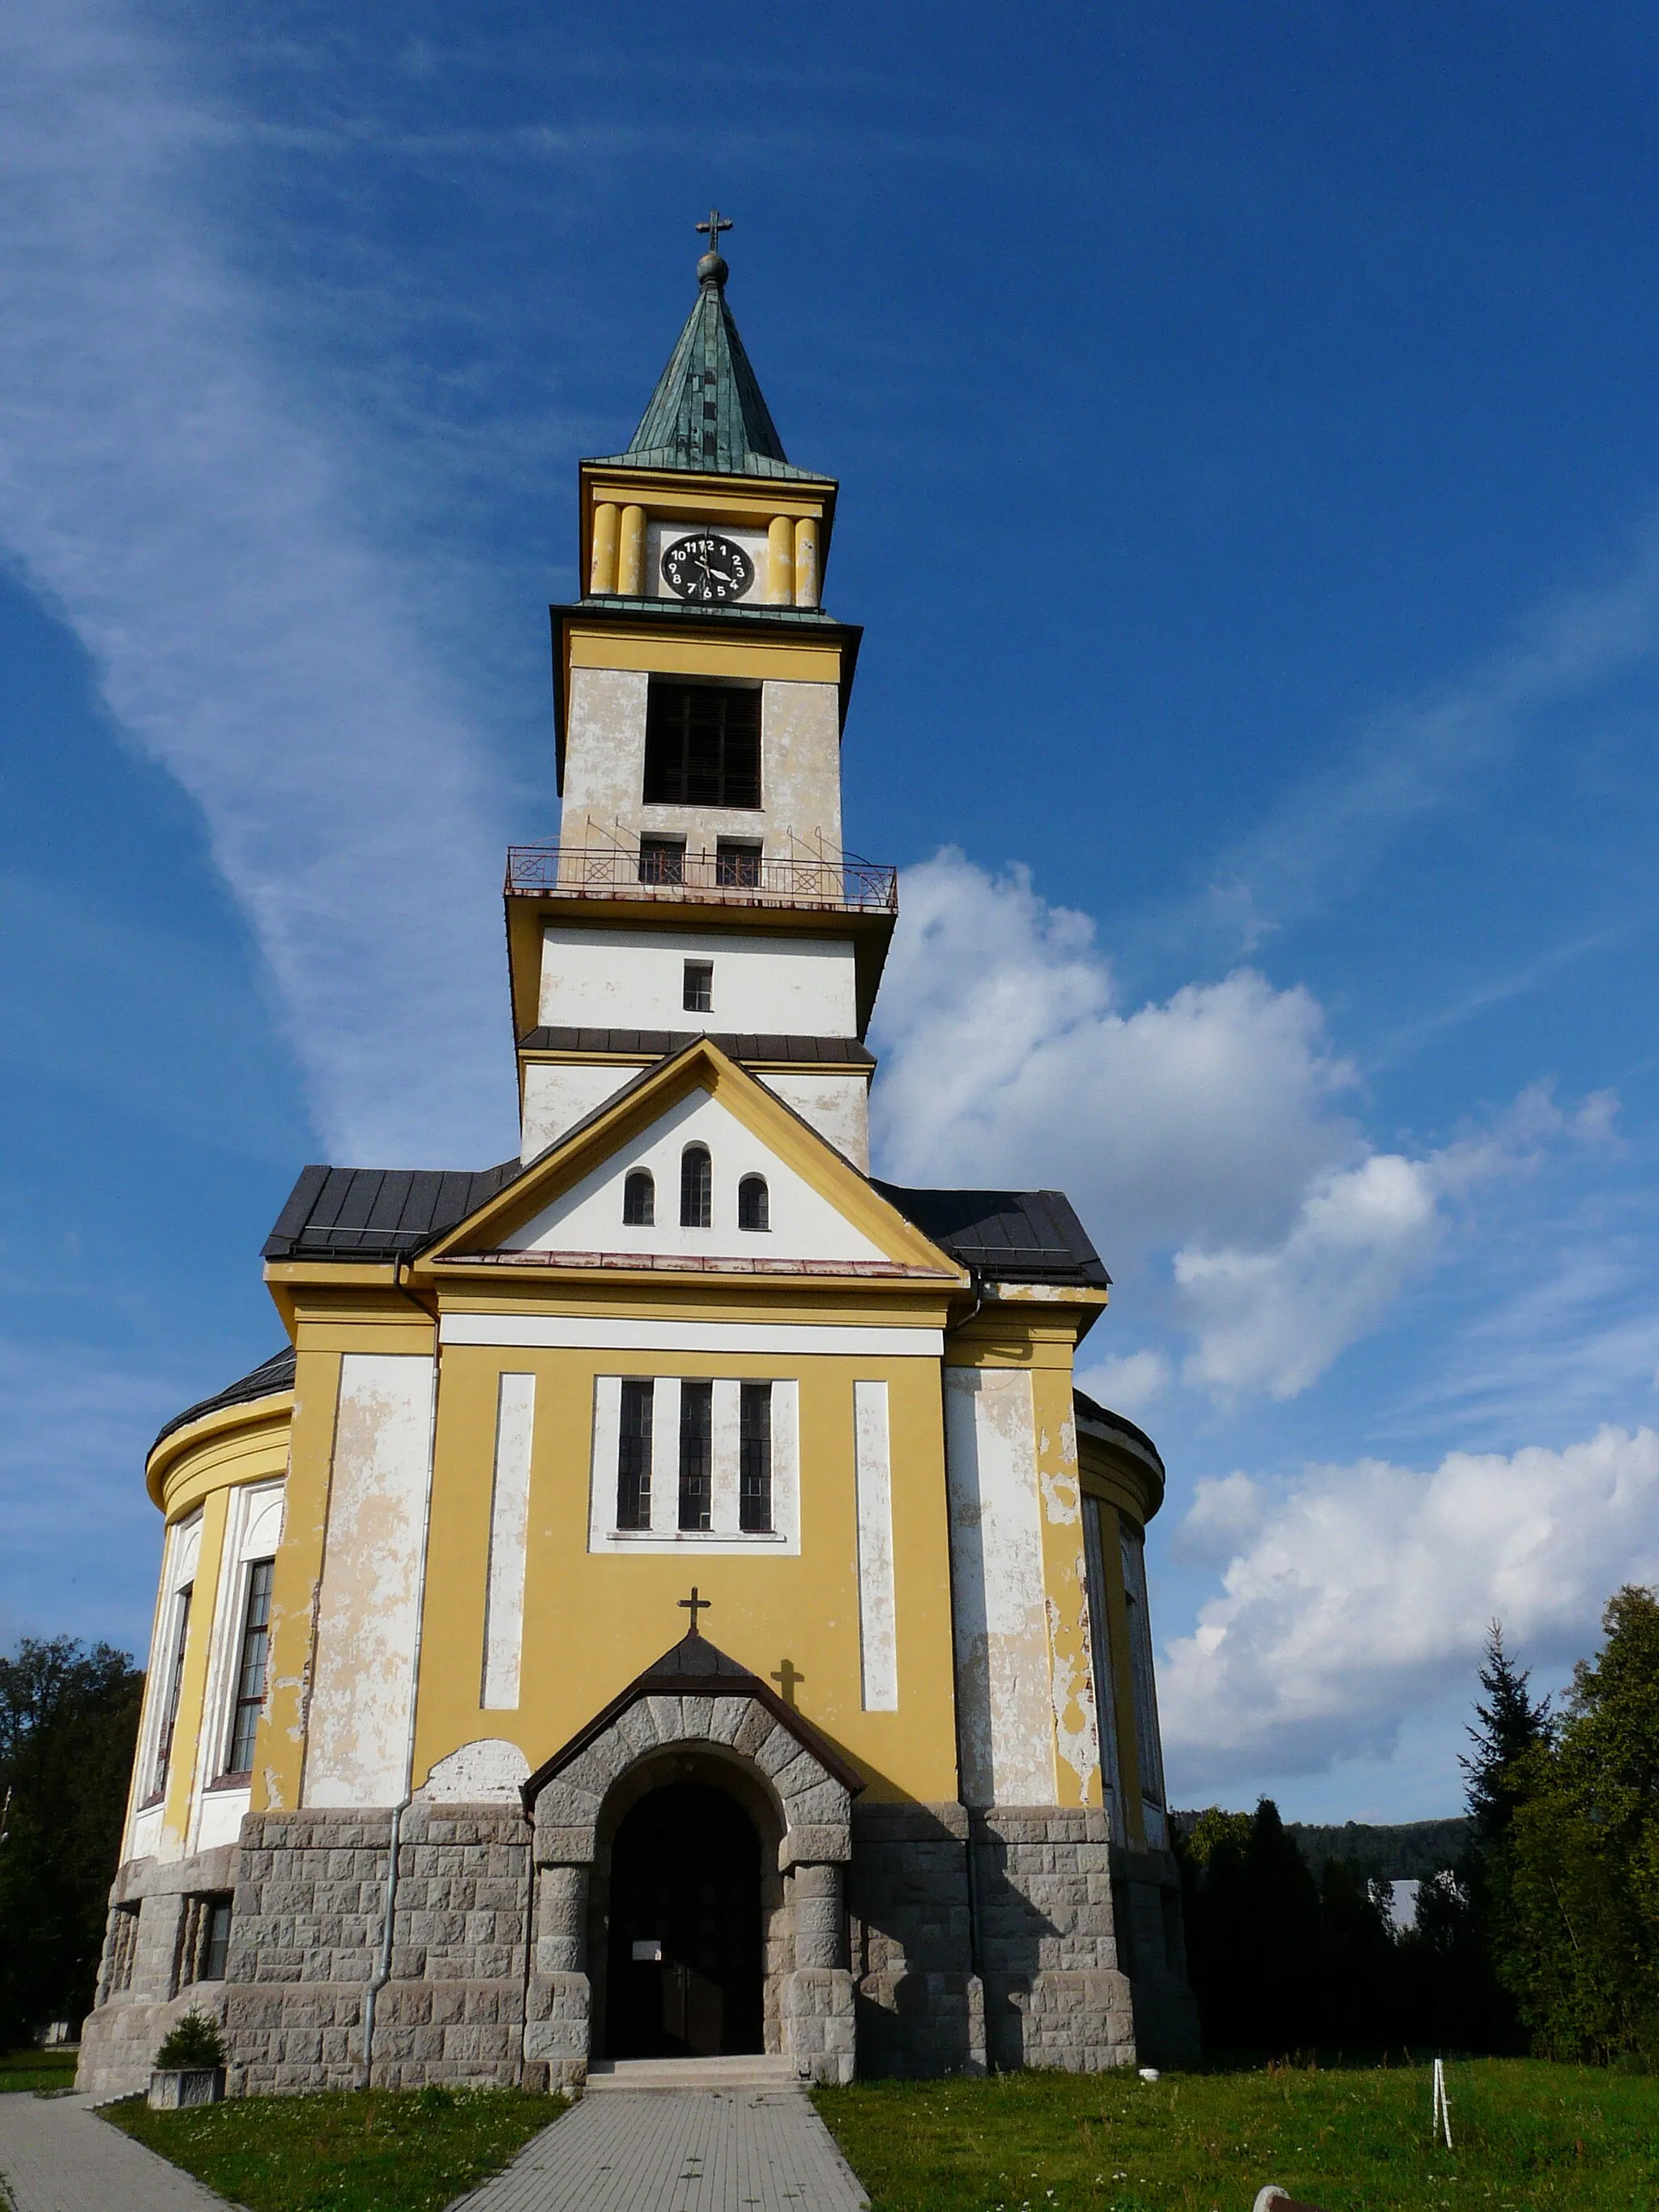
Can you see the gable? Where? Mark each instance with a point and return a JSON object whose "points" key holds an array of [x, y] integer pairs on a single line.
{"points": [[587, 1217]]}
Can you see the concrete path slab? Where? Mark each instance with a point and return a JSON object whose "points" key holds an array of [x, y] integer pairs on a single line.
{"points": [[679, 2150], [55, 2155]]}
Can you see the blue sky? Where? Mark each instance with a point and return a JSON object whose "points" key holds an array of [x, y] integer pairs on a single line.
{"points": [[1251, 491]]}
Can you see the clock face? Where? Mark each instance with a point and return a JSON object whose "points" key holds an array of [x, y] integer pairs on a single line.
{"points": [[706, 568]]}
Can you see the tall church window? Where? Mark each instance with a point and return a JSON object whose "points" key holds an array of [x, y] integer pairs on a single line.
{"points": [[699, 992], [639, 1200], [175, 1683], [696, 1454], [251, 1672], [696, 1188], [754, 1206], [755, 1459], [702, 745], [634, 1457], [662, 860]]}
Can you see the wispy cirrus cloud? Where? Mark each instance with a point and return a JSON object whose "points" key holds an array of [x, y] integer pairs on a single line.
{"points": [[167, 486]]}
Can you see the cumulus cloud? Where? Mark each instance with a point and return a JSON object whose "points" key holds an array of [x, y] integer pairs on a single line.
{"points": [[167, 488], [1211, 1131], [1361, 1592], [1127, 1382]]}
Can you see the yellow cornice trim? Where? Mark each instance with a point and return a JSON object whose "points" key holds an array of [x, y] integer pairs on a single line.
{"points": [[332, 1274], [273, 1411], [701, 1066]]}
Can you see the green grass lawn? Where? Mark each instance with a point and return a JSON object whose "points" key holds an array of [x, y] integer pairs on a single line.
{"points": [[378, 2150], [37, 2069], [1527, 2136]]}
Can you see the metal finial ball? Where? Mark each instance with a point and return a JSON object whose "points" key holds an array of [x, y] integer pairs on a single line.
{"points": [[712, 268]]}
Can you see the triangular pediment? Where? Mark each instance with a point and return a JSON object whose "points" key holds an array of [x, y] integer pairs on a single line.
{"points": [[569, 1207]]}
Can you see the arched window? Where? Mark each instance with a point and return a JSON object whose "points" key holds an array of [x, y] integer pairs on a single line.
{"points": [[696, 1188], [753, 1208], [639, 1200]]}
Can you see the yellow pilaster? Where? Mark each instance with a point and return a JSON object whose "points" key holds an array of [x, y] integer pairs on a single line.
{"points": [[781, 562], [279, 1752], [806, 563], [190, 1752], [603, 574], [630, 553]]}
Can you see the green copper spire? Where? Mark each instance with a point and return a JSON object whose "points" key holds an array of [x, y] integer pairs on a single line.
{"points": [[708, 413]]}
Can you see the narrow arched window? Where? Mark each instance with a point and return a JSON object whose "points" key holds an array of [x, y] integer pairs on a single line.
{"points": [[753, 1208], [696, 1188], [639, 1200]]}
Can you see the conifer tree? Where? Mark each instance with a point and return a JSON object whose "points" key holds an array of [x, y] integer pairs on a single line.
{"points": [[1510, 1724]]}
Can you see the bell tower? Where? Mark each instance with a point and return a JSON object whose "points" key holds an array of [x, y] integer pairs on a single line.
{"points": [[700, 883]]}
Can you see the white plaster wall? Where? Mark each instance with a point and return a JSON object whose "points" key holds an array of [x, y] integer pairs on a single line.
{"points": [[635, 979], [556, 1097], [723, 1536], [878, 1620], [509, 1521], [1003, 1670], [486, 1771], [373, 1568], [588, 1218], [604, 753], [837, 1106], [801, 764]]}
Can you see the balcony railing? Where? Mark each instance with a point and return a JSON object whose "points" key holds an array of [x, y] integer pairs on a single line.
{"points": [[742, 879]]}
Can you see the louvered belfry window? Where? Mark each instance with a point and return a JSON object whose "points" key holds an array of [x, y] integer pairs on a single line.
{"points": [[702, 745]]}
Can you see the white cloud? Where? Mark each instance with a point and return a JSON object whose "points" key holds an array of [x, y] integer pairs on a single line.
{"points": [[1210, 1128], [1128, 1383], [165, 486], [1361, 1593]]}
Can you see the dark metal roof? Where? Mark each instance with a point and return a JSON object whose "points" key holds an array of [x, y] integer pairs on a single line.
{"points": [[1090, 1409], [1006, 1236], [378, 1214], [658, 1043], [276, 1374], [708, 413]]}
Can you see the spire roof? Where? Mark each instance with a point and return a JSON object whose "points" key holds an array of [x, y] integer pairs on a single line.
{"points": [[708, 413]]}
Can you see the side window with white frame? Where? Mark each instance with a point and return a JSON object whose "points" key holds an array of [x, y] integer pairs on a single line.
{"points": [[249, 1699], [695, 1462]]}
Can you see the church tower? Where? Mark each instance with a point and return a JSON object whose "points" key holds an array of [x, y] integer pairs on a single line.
{"points": [[667, 1595], [700, 884]]}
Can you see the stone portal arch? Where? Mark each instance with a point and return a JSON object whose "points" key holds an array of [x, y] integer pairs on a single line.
{"points": [[695, 1709]]}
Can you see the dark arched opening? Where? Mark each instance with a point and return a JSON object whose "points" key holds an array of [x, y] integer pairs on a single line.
{"points": [[684, 1970]]}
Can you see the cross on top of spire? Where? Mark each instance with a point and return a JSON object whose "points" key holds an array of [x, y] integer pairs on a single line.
{"points": [[711, 268]]}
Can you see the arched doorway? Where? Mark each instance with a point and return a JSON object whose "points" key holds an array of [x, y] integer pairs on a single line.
{"points": [[684, 1970]]}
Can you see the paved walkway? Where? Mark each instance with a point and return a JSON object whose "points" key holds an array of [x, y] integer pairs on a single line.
{"points": [[679, 2150], [56, 2157]]}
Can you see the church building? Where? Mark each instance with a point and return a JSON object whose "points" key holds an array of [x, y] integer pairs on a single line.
{"points": [[667, 1597]]}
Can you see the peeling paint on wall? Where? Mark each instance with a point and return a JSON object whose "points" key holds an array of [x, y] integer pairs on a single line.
{"points": [[877, 1622], [373, 1572], [1001, 1608], [509, 1516]]}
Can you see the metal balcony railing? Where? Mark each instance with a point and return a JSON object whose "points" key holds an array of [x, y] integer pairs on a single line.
{"points": [[670, 871]]}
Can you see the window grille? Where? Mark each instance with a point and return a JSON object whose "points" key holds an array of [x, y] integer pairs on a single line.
{"points": [[736, 867], [754, 1206], [699, 986], [755, 1459], [634, 1457], [251, 1673], [696, 1188], [702, 745], [639, 1200], [662, 860], [175, 1683], [696, 1423]]}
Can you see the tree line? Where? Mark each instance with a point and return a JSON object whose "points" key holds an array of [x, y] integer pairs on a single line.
{"points": [[1543, 1935]]}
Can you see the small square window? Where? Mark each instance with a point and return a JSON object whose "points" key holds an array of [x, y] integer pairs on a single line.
{"points": [[699, 986]]}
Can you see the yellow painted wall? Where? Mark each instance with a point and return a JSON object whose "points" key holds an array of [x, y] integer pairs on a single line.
{"points": [[592, 1621]]}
